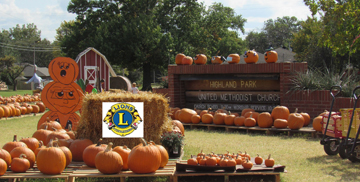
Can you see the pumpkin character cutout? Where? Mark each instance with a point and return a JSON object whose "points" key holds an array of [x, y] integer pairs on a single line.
{"points": [[251, 57], [270, 55], [62, 96]]}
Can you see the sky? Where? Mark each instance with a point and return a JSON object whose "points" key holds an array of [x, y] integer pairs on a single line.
{"points": [[47, 15]]}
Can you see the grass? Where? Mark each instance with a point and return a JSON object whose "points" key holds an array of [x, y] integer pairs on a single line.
{"points": [[303, 156], [7, 93]]}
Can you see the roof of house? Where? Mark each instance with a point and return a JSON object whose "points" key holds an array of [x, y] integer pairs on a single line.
{"points": [[40, 71], [284, 55], [112, 72]]}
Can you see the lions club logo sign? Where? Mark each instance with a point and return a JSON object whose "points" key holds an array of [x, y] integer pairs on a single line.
{"points": [[122, 120]]}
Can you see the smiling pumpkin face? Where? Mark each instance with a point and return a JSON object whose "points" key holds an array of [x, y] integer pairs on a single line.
{"points": [[271, 56], [61, 97], [63, 70]]}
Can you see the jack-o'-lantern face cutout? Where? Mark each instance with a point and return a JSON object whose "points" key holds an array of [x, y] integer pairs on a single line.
{"points": [[217, 59], [270, 56], [63, 70], [64, 119], [63, 98], [251, 56]]}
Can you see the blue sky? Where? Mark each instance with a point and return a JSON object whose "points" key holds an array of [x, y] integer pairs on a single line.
{"points": [[48, 14]]}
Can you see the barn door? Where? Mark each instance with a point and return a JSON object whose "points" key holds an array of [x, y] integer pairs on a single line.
{"points": [[91, 74]]}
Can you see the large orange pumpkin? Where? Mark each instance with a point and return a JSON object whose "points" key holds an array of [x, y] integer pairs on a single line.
{"points": [[77, 148], [207, 118], [178, 58], [3, 167], [265, 120], [124, 153], [306, 118], [233, 58], [317, 123], [30, 155], [51, 160], [91, 151], [63, 70], [186, 114], [187, 60], [200, 59], [144, 158], [251, 57], [5, 155], [32, 143], [239, 121], [280, 112], [271, 56], [219, 118], [9, 146], [108, 161], [295, 121]]}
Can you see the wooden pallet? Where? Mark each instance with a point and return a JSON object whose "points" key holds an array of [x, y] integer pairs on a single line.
{"points": [[87, 172], [268, 131]]}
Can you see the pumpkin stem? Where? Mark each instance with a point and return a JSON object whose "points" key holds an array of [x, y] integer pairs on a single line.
{"points": [[99, 142], [50, 144], [15, 138], [47, 119], [22, 156], [296, 110], [143, 142], [258, 155], [269, 156], [70, 127], [109, 147], [41, 143]]}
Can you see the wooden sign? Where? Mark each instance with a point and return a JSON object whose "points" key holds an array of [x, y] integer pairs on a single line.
{"points": [[238, 85], [232, 97], [232, 107]]}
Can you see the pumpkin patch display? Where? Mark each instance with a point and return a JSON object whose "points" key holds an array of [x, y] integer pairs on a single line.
{"points": [[251, 57], [270, 56], [51, 160], [200, 59]]}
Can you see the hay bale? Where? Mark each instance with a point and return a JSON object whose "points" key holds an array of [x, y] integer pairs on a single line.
{"points": [[156, 120]]}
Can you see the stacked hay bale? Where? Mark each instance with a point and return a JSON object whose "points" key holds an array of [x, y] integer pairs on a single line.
{"points": [[156, 120]]}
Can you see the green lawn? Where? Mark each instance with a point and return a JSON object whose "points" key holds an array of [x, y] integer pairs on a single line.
{"points": [[303, 156], [7, 93]]}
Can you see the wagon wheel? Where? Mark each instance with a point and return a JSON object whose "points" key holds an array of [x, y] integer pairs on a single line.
{"points": [[343, 150], [331, 148], [355, 156]]}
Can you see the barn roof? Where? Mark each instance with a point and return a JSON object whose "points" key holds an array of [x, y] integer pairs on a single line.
{"points": [[112, 72]]}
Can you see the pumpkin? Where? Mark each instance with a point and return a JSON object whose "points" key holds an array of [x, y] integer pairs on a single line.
{"points": [[219, 118], [231, 162], [223, 162], [20, 164], [270, 56], [229, 119], [177, 114], [62, 98], [250, 121], [9, 146], [205, 112], [317, 123], [195, 119], [144, 158], [185, 115], [239, 121], [164, 155], [269, 162], [192, 161], [251, 57], [63, 70], [67, 152], [265, 120], [57, 134], [5, 155], [258, 160], [280, 123], [207, 118], [178, 58], [18, 112], [41, 146], [49, 124], [211, 161], [91, 151], [7, 111], [254, 114], [217, 59], [173, 111], [238, 160], [32, 143], [29, 109], [23, 110], [42, 106], [247, 164], [244, 111], [36, 108], [295, 121], [179, 125], [42, 135], [1, 112], [124, 152], [30, 155], [51, 160], [77, 148], [200, 59], [3, 167], [280, 112], [233, 58], [306, 117], [187, 60], [108, 161], [202, 161]]}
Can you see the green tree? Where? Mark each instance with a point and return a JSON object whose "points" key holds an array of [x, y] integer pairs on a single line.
{"points": [[257, 41], [11, 69]]}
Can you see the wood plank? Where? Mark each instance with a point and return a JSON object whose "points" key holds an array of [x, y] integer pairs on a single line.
{"points": [[230, 77], [232, 97], [232, 107], [235, 85]]}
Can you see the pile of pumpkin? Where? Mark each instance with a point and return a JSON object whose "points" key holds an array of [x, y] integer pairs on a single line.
{"points": [[280, 117], [20, 98], [17, 109], [228, 159], [54, 149]]}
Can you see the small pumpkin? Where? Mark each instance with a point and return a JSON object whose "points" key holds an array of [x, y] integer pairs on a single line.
{"points": [[200, 59], [247, 164], [77, 148], [36, 109], [20, 164], [187, 60], [195, 119], [30, 155], [108, 161], [192, 161], [270, 56], [250, 121], [3, 167], [251, 57], [5, 155], [51, 160], [233, 58], [124, 152], [258, 160], [306, 117], [211, 161], [280, 123], [265, 120], [173, 111], [269, 162], [91, 151], [178, 58], [144, 158], [9, 146], [217, 59], [42, 106]]}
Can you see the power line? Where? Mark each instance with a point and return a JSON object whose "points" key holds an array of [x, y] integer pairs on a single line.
{"points": [[31, 50], [30, 47]]}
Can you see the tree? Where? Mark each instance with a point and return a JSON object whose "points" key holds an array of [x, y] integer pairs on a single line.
{"points": [[11, 69], [257, 41]]}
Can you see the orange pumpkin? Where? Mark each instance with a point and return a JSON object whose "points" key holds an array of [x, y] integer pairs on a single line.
{"points": [[219, 118], [207, 118], [295, 121], [187, 60], [250, 122], [200, 59], [233, 58], [239, 121], [244, 111], [195, 119], [65, 98], [178, 58], [5, 155], [306, 118], [9, 146], [265, 120], [144, 158], [51, 160], [251, 57], [217, 59], [186, 114], [124, 153], [20, 164], [32, 143], [280, 123], [108, 161], [63, 70], [280, 112], [91, 151], [173, 111], [30, 155], [178, 124], [3, 167], [271, 56], [317, 123], [229, 119], [77, 148]]}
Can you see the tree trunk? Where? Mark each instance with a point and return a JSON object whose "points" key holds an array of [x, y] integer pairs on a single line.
{"points": [[146, 77], [15, 85]]}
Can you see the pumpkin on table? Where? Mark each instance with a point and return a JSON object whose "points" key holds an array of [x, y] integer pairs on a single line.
{"points": [[200, 59], [108, 161], [5, 155], [178, 58], [164, 154], [144, 158], [20, 164], [280, 123], [265, 120], [9, 146], [32, 143], [186, 114], [295, 121], [51, 160], [30, 155], [187, 60], [217, 59], [77, 148], [269, 162], [3, 167], [91, 151], [124, 152], [317, 123], [251, 57], [280, 112], [239, 121]]}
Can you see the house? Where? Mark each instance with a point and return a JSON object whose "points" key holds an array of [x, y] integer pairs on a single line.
{"points": [[94, 67], [42, 72], [284, 55]]}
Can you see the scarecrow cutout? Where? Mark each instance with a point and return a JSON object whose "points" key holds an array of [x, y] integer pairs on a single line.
{"points": [[62, 96]]}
